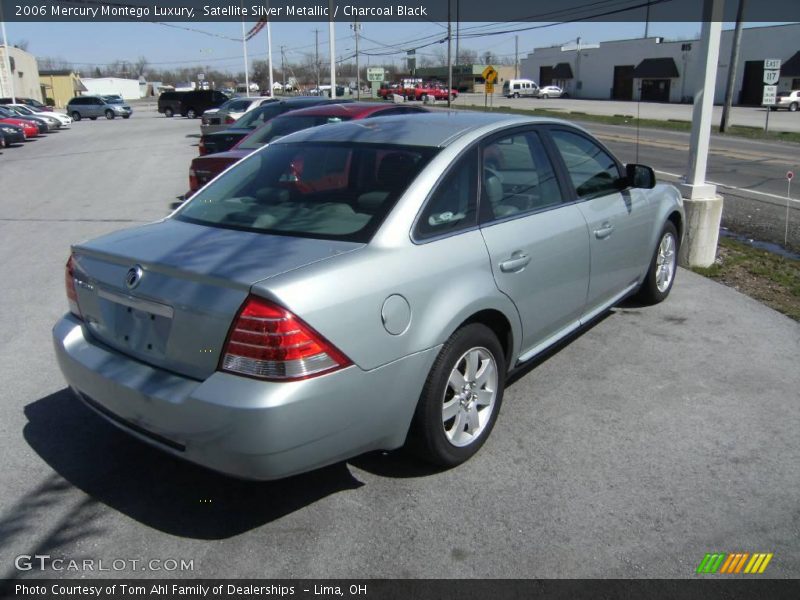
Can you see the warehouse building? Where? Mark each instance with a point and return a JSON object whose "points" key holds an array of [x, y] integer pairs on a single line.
{"points": [[23, 80], [655, 70], [129, 89]]}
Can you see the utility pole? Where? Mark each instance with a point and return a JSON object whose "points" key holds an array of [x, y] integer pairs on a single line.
{"points": [[449, 55], [458, 28], [647, 20], [356, 27], [332, 34], [733, 64], [578, 69], [516, 57]]}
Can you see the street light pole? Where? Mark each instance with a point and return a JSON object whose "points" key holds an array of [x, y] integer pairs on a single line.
{"points": [[702, 205], [7, 58], [269, 54], [332, 34]]}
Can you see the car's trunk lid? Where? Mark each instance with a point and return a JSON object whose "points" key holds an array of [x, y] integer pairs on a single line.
{"points": [[166, 293]]}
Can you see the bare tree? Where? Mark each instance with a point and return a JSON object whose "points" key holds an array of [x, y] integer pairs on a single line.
{"points": [[22, 45], [140, 65]]}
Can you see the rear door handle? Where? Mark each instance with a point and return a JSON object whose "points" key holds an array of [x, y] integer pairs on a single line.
{"points": [[517, 262], [603, 232]]}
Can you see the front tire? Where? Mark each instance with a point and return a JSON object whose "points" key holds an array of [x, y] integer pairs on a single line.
{"points": [[663, 266], [191, 114], [109, 114], [168, 112], [461, 398]]}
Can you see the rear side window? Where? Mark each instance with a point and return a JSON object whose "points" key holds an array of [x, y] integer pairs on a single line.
{"points": [[337, 191], [453, 205]]}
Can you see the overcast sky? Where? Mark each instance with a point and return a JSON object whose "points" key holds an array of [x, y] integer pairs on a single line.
{"points": [[185, 44]]}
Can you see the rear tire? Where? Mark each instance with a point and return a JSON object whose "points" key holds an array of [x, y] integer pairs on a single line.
{"points": [[191, 114], [461, 398], [516, 94], [793, 107], [109, 114], [76, 116], [660, 276], [168, 112]]}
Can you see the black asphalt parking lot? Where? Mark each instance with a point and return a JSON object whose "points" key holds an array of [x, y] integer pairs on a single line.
{"points": [[650, 439]]}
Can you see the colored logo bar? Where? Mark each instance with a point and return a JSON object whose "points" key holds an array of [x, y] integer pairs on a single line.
{"points": [[738, 562]]}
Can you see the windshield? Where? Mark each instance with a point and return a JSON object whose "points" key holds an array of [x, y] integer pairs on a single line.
{"points": [[337, 191], [23, 110], [284, 126]]}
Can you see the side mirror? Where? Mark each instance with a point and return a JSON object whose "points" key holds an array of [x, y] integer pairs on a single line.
{"points": [[640, 176]]}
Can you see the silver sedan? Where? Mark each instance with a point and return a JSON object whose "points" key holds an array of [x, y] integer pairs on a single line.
{"points": [[360, 286]]}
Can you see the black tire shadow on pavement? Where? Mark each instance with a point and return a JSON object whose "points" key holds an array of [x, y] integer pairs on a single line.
{"points": [[157, 489]]}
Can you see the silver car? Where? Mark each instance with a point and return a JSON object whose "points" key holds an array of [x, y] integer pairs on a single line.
{"points": [[91, 107], [219, 119], [360, 286]]}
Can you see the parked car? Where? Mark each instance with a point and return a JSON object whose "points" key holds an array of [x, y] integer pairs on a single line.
{"points": [[13, 134], [50, 123], [24, 109], [92, 107], [189, 104], [226, 115], [351, 288], [551, 91], [520, 88], [205, 168], [30, 128], [226, 139], [788, 100], [27, 101]]}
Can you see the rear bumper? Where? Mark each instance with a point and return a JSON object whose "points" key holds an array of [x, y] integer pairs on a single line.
{"points": [[244, 427], [14, 138]]}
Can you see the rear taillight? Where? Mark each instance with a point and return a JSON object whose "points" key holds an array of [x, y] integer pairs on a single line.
{"points": [[69, 282], [202, 147], [193, 184], [229, 119], [269, 342]]}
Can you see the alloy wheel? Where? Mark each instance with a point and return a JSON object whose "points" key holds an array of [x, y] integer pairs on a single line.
{"points": [[469, 397]]}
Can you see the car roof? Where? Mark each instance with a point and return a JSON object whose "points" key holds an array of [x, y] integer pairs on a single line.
{"points": [[436, 128], [352, 110]]}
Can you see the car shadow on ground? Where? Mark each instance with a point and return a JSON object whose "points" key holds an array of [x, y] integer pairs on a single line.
{"points": [[155, 488]]}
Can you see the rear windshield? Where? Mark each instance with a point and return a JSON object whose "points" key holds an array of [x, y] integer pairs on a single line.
{"points": [[284, 126], [256, 118], [340, 191]]}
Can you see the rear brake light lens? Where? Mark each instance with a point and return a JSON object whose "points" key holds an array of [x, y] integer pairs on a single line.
{"points": [[202, 147], [267, 341], [193, 184], [69, 281], [229, 119]]}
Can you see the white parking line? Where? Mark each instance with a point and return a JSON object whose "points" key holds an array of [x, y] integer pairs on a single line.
{"points": [[733, 187]]}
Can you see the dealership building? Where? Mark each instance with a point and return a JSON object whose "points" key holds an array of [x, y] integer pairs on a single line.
{"points": [[655, 70], [23, 79]]}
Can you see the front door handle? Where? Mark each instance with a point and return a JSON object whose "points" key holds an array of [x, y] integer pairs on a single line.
{"points": [[603, 232], [517, 262]]}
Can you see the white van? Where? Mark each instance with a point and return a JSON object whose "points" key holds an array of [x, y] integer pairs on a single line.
{"points": [[516, 88]]}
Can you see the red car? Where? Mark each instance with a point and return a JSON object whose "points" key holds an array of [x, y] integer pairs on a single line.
{"points": [[29, 128], [205, 168]]}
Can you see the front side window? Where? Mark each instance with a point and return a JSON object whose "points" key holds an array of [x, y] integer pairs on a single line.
{"points": [[453, 204], [517, 177], [333, 191], [592, 170]]}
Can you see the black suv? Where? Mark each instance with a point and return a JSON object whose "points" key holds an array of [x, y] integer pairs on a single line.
{"points": [[189, 104]]}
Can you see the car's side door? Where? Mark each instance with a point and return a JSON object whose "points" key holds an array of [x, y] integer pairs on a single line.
{"points": [[619, 217], [538, 242]]}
